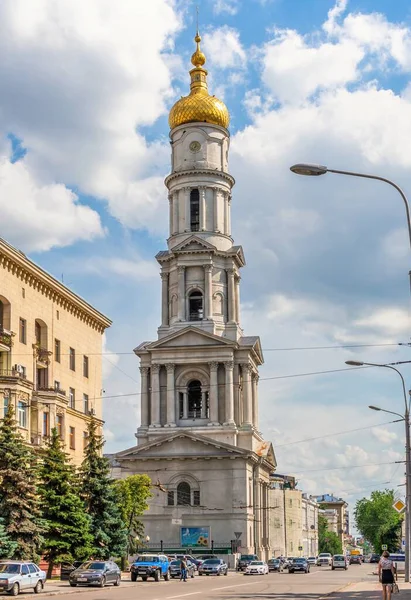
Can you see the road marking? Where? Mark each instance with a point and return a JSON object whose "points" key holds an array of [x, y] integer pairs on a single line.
{"points": [[238, 585], [182, 595]]}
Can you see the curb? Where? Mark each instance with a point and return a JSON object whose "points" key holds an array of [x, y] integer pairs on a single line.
{"points": [[340, 589]]}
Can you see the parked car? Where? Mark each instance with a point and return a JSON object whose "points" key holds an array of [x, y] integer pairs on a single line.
{"points": [[375, 558], [18, 576], [245, 560], [324, 559], [213, 566], [150, 565], [275, 564], [312, 560], [96, 572], [355, 559], [67, 568], [299, 564], [339, 562], [256, 567], [175, 568]]}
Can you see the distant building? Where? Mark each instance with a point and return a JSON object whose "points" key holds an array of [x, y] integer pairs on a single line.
{"points": [[309, 525], [339, 520]]}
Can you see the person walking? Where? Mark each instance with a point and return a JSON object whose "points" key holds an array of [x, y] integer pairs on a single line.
{"points": [[183, 569], [386, 574]]}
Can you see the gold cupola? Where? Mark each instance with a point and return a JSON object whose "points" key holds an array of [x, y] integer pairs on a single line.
{"points": [[199, 106]]}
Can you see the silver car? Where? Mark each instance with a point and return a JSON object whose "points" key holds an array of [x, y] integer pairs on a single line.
{"points": [[18, 576]]}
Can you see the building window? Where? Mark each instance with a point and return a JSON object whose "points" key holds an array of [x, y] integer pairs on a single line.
{"points": [[59, 426], [85, 366], [170, 498], [72, 438], [57, 387], [85, 404], [194, 210], [23, 331], [194, 399], [57, 351], [85, 439], [22, 414], [290, 502], [72, 359], [5, 405], [183, 494], [58, 315], [196, 498], [23, 292], [195, 306], [72, 398], [46, 424]]}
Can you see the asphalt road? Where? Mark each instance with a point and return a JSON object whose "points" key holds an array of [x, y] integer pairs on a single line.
{"points": [[236, 586]]}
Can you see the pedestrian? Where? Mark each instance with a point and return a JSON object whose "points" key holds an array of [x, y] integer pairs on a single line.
{"points": [[183, 569], [386, 574]]}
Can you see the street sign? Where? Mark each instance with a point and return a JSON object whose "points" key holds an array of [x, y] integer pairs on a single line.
{"points": [[176, 521], [384, 547], [399, 505], [237, 534]]}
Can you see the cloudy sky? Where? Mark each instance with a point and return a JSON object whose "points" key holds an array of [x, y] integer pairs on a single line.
{"points": [[86, 88]]}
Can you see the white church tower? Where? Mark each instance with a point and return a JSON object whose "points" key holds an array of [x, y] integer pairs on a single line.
{"points": [[199, 380]]}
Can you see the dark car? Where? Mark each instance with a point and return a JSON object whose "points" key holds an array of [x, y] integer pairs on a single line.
{"points": [[67, 568], [175, 568], [375, 558], [96, 572], [275, 564], [200, 559], [299, 564], [213, 566], [245, 560], [195, 560], [355, 560]]}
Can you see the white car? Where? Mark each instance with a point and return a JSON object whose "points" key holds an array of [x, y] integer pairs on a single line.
{"points": [[312, 560], [16, 577], [256, 567], [323, 559], [339, 562]]}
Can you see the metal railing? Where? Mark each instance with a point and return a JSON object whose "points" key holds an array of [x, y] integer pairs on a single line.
{"points": [[6, 337], [12, 373]]}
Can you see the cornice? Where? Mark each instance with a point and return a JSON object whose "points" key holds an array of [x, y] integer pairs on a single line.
{"points": [[19, 265], [196, 172]]}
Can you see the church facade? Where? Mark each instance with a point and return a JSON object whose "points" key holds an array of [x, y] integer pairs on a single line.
{"points": [[199, 437]]}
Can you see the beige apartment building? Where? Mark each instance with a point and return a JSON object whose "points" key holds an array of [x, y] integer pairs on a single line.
{"points": [[50, 354]]}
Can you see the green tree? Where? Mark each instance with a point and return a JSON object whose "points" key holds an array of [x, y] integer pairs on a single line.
{"points": [[107, 526], [19, 504], [132, 494], [377, 521], [7, 546], [328, 541], [67, 535]]}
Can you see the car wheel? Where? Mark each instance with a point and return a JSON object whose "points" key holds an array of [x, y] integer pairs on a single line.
{"points": [[73, 584], [102, 583], [15, 590], [157, 576], [167, 576], [218, 574], [192, 575], [39, 587], [133, 577], [144, 578], [117, 581], [225, 574], [200, 574]]}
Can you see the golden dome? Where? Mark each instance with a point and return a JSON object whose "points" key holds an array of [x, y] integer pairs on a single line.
{"points": [[199, 106]]}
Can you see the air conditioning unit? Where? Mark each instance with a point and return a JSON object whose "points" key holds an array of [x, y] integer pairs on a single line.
{"points": [[18, 368]]}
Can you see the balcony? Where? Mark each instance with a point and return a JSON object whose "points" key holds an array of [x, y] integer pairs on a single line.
{"points": [[42, 356], [6, 340]]}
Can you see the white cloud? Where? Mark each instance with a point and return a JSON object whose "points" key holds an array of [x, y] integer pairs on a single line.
{"points": [[224, 48], [35, 216], [383, 435], [228, 7], [135, 268]]}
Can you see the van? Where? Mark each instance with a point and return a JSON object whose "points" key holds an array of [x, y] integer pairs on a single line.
{"points": [[339, 562]]}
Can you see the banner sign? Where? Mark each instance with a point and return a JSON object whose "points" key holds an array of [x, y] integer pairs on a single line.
{"points": [[195, 537]]}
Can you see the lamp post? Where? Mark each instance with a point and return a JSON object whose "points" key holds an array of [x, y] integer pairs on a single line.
{"points": [[406, 418], [315, 170]]}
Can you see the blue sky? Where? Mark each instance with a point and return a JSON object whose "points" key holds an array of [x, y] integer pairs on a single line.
{"points": [[84, 152]]}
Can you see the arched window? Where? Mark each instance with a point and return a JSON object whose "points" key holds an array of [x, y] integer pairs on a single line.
{"points": [[194, 399], [195, 306], [183, 494], [194, 210]]}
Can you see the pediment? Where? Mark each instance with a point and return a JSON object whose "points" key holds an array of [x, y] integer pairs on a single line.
{"points": [[265, 450], [193, 244], [190, 336], [182, 444]]}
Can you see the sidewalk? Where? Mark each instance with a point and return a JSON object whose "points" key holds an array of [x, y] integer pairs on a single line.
{"points": [[370, 590], [54, 587]]}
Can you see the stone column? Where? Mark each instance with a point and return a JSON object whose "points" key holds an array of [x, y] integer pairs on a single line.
{"points": [[231, 295], [170, 216], [237, 298], [155, 395], [213, 394], [228, 214], [255, 399], [215, 209], [187, 226], [229, 393], [208, 288], [185, 405], [164, 299], [181, 294], [171, 396], [225, 199], [203, 215], [203, 405], [144, 396], [247, 394], [176, 215]]}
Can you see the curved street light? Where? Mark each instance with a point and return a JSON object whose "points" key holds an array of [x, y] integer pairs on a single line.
{"points": [[406, 418]]}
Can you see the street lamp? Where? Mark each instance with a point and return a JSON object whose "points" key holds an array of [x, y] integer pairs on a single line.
{"points": [[314, 170], [406, 418]]}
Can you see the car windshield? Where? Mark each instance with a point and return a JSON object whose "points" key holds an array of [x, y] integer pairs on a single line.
{"points": [[299, 560], [338, 557], [147, 559], [247, 557], [9, 568], [256, 563], [274, 561], [93, 566], [212, 561], [175, 563], [311, 558]]}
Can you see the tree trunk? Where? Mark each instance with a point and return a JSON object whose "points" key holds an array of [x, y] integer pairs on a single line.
{"points": [[50, 569]]}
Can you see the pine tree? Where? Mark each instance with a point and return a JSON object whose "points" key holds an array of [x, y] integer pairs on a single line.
{"points": [[7, 546], [67, 535], [107, 526], [19, 504]]}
